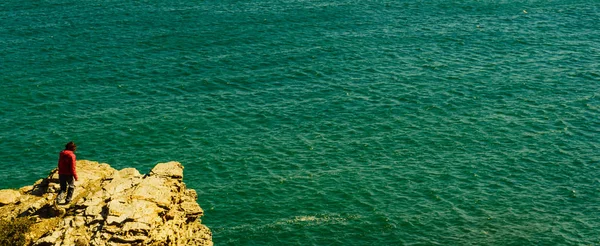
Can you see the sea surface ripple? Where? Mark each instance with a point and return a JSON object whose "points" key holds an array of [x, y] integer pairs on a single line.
{"points": [[323, 122]]}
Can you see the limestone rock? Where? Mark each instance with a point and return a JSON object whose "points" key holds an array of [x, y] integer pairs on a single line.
{"points": [[128, 173], [26, 189], [154, 189], [9, 197], [170, 169], [192, 210], [112, 207]]}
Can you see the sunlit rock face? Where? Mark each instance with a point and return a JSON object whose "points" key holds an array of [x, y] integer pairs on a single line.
{"points": [[111, 207]]}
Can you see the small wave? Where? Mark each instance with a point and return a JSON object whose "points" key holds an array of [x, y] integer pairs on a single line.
{"points": [[318, 220], [300, 220]]}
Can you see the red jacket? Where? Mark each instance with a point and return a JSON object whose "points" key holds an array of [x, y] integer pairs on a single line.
{"points": [[66, 163]]}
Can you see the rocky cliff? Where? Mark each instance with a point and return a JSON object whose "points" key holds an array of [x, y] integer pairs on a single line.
{"points": [[111, 207]]}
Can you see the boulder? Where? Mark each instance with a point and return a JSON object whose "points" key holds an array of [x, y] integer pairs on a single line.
{"points": [[9, 197], [170, 170]]}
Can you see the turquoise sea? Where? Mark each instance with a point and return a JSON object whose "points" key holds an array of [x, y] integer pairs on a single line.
{"points": [[319, 122]]}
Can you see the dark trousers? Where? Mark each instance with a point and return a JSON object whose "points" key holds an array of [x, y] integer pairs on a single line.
{"points": [[67, 184]]}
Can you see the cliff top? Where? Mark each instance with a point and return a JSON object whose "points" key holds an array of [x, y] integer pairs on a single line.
{"points": [[110, 207]]}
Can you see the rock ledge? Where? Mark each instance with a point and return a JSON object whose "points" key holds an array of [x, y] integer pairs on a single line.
{"points": [[111, 207]]}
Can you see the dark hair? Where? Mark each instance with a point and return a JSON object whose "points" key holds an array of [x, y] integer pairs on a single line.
{"points": [[70, 146]]}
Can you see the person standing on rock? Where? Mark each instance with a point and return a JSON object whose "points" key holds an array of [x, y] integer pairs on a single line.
{"points": [[67, 172]]}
